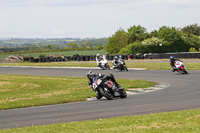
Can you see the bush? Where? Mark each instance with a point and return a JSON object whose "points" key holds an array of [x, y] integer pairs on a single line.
{"points": [[42, 55], [192, 49]]}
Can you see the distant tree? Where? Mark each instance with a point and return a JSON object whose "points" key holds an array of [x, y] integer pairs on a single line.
{"points": [[88, 44], [118, 41], [135, 48], [173, 39], [72, 45], [49, 46], [192, 40], [192, 49], [32, 48], [99, 47], [137, 33], [192, 29], [154, 33]]}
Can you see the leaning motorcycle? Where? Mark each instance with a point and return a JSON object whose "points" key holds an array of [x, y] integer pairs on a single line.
{"points": [[181, 68], [106, 88], [104, 64], [121, 65]]}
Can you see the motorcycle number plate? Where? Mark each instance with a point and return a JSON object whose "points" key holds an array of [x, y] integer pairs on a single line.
{"points": [[94, 85]]}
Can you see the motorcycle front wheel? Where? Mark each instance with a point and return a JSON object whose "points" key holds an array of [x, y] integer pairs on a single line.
{"points": [[107, 67], [185, 71], [125, 68], [98, 96], [123, 94]]}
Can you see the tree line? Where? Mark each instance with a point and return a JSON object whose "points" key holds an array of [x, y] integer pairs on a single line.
{"points": [[166, 39], [37, 45]]}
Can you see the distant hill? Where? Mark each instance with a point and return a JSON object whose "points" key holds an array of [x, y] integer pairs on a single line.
{"points": [[61, 42]]}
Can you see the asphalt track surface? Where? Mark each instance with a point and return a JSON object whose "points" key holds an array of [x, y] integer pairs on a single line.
{"points": [[183, 93]]}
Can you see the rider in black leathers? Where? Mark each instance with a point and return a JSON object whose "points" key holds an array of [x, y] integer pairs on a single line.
{"points": [[172, 61], [90, 76]]}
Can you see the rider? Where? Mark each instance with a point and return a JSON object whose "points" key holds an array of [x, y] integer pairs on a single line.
{"points": [[172, 61], [115, 62], [98, 59], [90, 76]]}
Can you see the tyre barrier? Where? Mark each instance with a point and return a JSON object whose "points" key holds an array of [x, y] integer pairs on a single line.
{"points": [[111, 57]]}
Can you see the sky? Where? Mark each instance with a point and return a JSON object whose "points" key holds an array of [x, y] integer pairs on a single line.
{"points": [[91, 18]]}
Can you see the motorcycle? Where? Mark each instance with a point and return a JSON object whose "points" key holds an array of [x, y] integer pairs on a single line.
{"points": [[104, 64], [121, 65], [106, 88], [180, 67]]}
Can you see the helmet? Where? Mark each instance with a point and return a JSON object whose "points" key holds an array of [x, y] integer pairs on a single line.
{"points": [[90, 74], [120, 56], [171, 57], [115, 57], [97, 55]]}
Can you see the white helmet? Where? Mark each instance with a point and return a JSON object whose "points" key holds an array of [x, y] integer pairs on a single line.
{"points": [[90, 74]]}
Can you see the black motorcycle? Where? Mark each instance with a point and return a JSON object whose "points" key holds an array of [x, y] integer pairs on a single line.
{"points": [[106, 88], [121, 65]]}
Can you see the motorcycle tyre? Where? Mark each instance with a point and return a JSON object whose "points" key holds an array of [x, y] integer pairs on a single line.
{"points": [[98, 96], [106, 94], [123, 94], [125, 68], [185, 71], [107, 67]]}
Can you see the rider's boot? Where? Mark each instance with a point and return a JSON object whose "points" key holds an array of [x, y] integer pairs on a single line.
{"points": [[118, 86], [174, 69], [114, 67]]}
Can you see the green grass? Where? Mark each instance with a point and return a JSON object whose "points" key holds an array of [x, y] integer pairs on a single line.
{"points": [[27, 91], [66, 53], [168, 122], [161, 66], [148, 66]]}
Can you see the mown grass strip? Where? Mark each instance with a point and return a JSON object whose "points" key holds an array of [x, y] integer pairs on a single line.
{"points": [[18, 91], [148, 66], [169, 122]]}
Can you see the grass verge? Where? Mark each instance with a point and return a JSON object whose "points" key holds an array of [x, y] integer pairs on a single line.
{"points": [[169, 122], [148, 66], [18, 91]]}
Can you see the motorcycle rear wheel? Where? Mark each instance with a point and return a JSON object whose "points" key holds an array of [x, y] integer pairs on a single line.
{"points": [[106, 93]]}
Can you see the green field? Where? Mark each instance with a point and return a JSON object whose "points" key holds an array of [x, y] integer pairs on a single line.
{"points": [[66, 53], [27, 91]]}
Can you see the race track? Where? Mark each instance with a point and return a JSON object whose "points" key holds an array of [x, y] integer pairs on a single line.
{"points": [[183, 93]]}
